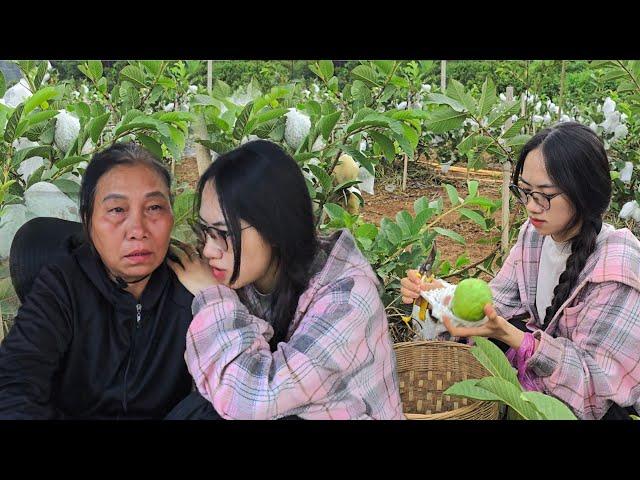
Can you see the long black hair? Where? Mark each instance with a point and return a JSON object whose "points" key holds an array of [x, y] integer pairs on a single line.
{"points": [[124, 153], [261, 184], [576, 161]]}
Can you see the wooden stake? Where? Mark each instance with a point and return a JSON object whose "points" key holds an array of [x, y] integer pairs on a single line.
{"points": [[209, 76], [563, 74], [404, 174], [443, 75]]}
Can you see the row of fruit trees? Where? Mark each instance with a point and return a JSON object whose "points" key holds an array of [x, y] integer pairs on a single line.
{"points": [[49, 128]]}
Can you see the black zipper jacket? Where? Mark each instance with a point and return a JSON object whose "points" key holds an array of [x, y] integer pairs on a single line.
{"points": [[83, 348]]}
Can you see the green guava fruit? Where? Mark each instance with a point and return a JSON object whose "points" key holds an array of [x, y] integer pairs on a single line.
{"points": [[469, 299]]}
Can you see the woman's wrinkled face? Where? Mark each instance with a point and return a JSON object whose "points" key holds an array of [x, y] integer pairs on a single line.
{"points": [[553, 221], [256, 261], [132, 220]]}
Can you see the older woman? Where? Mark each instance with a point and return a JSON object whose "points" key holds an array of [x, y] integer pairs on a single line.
{"points": [[102, 332]]}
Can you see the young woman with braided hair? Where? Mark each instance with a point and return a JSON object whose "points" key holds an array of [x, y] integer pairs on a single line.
{"points": [[577, 279]]}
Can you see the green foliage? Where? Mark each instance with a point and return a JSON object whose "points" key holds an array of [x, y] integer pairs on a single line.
{"points": [[502, 385]]}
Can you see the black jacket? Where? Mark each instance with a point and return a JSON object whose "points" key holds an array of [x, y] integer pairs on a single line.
{"points": [[76, 349]]}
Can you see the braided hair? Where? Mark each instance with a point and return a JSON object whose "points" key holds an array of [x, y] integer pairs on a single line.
{"points": [[576, 161]]}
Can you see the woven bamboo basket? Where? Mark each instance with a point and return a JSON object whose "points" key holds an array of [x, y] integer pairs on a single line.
{"points": [[426, 369]]}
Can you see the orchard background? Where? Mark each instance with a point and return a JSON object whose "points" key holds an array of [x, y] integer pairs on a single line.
{"points": [[402, 153]]}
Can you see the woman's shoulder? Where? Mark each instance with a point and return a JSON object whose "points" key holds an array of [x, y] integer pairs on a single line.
{"points": [[342, 270], [618, 257]]}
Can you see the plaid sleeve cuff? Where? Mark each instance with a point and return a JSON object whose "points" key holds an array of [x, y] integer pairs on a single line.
{"points": [[547, 356]]}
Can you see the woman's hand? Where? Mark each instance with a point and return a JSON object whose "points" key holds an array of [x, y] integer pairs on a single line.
{"points": [[411, 286], [196, 275], [495, 327]]}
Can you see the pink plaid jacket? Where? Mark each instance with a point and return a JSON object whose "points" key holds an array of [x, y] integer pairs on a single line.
{"points": [[589, 355], [337, 362]]}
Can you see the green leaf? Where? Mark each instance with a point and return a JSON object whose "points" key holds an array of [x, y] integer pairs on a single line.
{"points": [[218, 147], [420, 205], [130, 115], [405, 222], [241, 121], [391, 231], [420, 219], [96, 126], [515, 128], [95, 68], [482, 202], [39, 76], [549, 407], [335, 212], [600, 63], [175, 117], [24, 153], [327, 123], [473, 189], [475, 216], [82, 110], [367, 230], [36, 117], [492, 358], [405, 145], [612, 75], [451, 234], [469, 389], [68, 187], [488, 98], [3, 85], [65, 162], [201, 99], [326, 68], [412, 136], [264, 117], [462, 260], [445, 119], [323, 177], [503, 111], [151, 144], [376, 120], [453, 194], [153, 66], [385, 143], [386, 66], [456, 90], [517, 141], [35, 176], [365, 74], [510, 395], [441, 99], [134, 75], [411, 114], [12, 124]]}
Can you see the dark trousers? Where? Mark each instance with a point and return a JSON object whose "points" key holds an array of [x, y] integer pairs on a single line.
{"points": [[615, 412], [196, 407]]}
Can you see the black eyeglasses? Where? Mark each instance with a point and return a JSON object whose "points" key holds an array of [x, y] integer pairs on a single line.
{"points": [[218, 236], [541, 199]]}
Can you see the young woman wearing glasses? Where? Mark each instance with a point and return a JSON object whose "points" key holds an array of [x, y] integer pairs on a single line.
{"points": [[285, 323], [576, 278]]}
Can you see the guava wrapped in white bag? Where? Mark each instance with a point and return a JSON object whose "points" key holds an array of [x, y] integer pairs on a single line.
{"points": [[440, 302]]}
